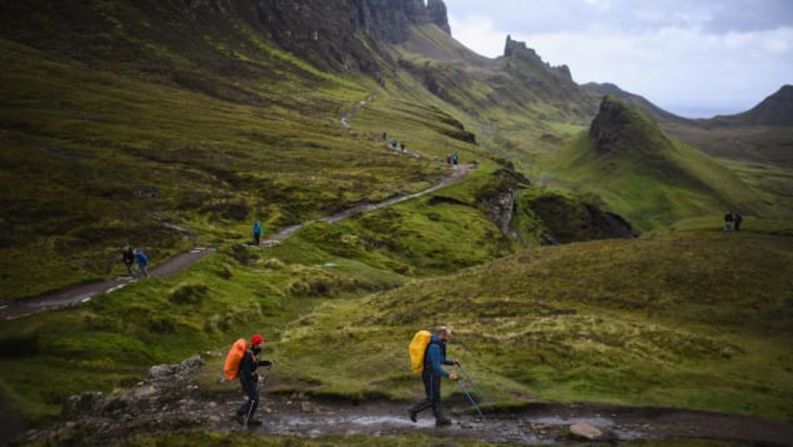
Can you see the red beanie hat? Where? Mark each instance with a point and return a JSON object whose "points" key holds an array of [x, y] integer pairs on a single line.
{"points": [[257, 340]]}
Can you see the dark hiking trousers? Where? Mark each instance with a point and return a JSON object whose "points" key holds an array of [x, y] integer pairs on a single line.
{"points": [[432, 390], [251, 389], [256, 238]]}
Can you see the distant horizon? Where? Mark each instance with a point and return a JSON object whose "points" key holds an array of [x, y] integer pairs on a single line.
{"points": [[696, 60]]}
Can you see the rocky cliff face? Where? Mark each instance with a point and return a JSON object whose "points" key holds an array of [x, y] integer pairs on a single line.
{"points": [[438, 15], [517, 50], [620, 126]]}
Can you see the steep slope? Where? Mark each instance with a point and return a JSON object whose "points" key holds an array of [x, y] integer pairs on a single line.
{"points": [[151, 121], [641, 173]]}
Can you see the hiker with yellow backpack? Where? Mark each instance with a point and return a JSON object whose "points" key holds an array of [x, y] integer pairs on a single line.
{"points": [[427, 355], [241, 362]]}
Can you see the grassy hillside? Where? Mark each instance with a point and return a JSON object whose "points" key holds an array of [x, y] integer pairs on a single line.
{"points": [[696, 319], [648, 177]]}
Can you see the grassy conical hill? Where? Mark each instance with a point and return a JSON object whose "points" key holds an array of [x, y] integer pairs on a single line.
{"points": [[643, 174]]}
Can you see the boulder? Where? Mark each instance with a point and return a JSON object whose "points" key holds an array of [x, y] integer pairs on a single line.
{"points": [[585, 431]]}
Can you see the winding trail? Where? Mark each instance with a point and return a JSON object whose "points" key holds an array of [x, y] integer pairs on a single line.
{"points": [[458, 173], [345, 119], [82, 293]]}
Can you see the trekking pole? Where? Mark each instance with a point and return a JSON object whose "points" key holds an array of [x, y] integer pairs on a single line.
{"points": [[471, 399], [471, 380]]}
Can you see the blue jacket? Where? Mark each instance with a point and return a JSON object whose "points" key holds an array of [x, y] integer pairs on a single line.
{"points": [[142, 258], [436, 356], [257, 228]]}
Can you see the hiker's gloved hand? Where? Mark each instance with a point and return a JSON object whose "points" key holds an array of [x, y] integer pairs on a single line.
{"points": [[453, 375]]}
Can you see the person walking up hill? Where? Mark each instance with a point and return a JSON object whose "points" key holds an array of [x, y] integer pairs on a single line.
{"points": [[257, 232], [143, 262], [128, 256]]}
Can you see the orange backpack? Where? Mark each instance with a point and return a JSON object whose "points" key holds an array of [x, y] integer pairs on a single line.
{"points": [[234, 358]]}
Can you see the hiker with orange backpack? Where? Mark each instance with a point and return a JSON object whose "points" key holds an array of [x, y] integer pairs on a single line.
{"points": [[434, 357], [247, 360]]}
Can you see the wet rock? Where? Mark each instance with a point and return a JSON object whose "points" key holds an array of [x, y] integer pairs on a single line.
{"points": [[161, 371], [85, 403], [144, 392], [585, 431], [190, 365]]}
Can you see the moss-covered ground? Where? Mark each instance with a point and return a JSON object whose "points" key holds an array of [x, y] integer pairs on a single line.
{"points": [[696, 318]]}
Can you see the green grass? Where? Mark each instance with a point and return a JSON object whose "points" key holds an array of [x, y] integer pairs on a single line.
{"points": [[95, 159], [694, 320]]}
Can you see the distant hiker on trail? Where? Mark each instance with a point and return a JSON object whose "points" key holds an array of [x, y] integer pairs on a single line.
{"points": [[385, 136], [434, 357], [143, 262], [737, 220], [455, 159], [728, 222], [250, 380], [449, 158], [129, 258], [392, 144], [402, 146], [257, 232]]}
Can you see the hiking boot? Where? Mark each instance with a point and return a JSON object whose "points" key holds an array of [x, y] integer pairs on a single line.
{"points": [[240, 419], [412, 415], [254, 422], [442, 422]]}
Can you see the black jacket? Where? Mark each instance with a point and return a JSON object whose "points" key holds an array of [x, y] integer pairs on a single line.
{"points": [[248, 367]]}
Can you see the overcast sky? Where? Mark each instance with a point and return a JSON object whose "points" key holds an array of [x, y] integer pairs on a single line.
{"points": [[696, 58]]}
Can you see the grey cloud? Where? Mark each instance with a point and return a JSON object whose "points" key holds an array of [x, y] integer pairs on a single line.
{"points": [[713, 16]]}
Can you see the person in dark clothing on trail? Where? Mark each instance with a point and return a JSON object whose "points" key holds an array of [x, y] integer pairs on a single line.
{"points": [[728, 222], [250, 380], [143, 262], [455, 159], [737, 220], [402, 146], [257, 232], [432, 374], [129, 258]]}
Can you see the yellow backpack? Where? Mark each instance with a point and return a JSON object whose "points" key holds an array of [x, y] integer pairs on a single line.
{"points": [[417, 349]]}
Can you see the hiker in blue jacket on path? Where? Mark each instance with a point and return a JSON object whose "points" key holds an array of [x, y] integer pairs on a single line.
{"points": [[433, 371], [257, 232]]}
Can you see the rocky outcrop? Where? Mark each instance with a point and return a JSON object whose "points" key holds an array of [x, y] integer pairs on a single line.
{"points": [[499, 197], [519, 50], [659, 114], [438, 15], [568, 219], [607, 127], [619, 125]]}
